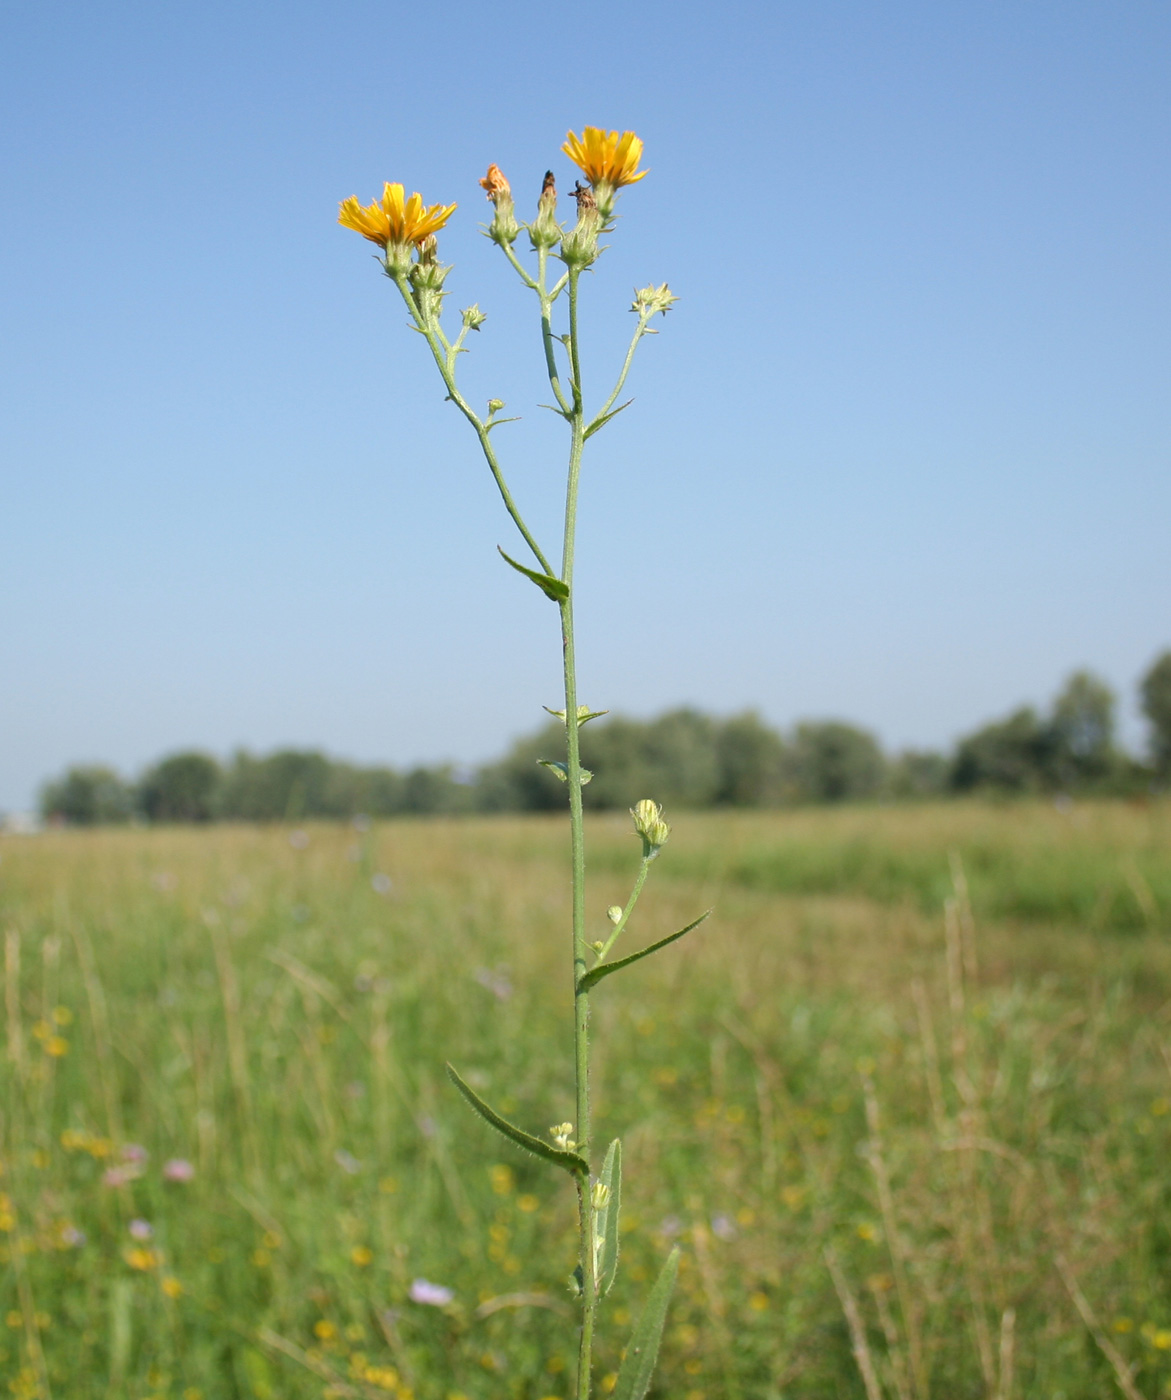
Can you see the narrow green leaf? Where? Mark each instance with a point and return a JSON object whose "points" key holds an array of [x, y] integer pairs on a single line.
{"points": [[584, 714], [638, 1365], [562, 770], [595, 974], [601, 422], [537, 1146], [607, 1218], [551, 587]]}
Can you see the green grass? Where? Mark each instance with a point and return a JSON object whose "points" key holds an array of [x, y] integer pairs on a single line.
{"points": [[800, 1081]]}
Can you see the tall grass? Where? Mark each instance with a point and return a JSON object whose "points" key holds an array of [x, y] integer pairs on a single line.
{"points": [[911, 1148]]}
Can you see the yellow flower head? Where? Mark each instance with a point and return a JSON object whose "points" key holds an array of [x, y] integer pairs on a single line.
{"points": [[605, 158], [393, 219]]}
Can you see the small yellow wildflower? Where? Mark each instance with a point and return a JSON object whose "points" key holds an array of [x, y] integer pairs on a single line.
{"points": [[362, 1255], [502, 1178], [393, 219], [62, 1015], [1123, 1324], [867, 1232], [528, 1204], [172, 1287], [605, 157], [143, 1259], [261, 1258], [56, 1045], [758, 1301], [324, 1330]]}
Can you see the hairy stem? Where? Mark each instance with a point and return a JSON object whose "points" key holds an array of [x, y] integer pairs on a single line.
{"points": [[444, 355], [581, 1004]]}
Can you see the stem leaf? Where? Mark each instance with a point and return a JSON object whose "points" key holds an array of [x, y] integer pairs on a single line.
{"points": [[606, 1219], [638, 1365], [603, 419], [539, 1148], [595, 974], [551, 587], [562, 770]]}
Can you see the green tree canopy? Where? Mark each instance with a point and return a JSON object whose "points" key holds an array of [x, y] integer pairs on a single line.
{"points": [[183, 788], [1155, 692], [88, 796]]}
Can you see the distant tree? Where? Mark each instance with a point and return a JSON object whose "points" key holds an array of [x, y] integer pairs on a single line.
{"points": [[918, 773], [750, 762], [1079, 738], [829, 761], [88, 796], [285, 786], [671, 759], [517, 782], [1155, 690], [1009, 754], [435, 792], [182, 788]]}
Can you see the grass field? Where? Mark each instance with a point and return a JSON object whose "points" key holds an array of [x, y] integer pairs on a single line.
{"points": [[909, 1153]]}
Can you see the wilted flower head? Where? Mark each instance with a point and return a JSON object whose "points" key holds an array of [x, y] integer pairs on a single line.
{"points": [[495, 184], [393, 219], [433, 1294]]}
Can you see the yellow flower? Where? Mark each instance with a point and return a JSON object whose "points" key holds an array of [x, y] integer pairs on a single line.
{"points": [[172, 1287], [393, 220], [362, 1255], [604, 157]]}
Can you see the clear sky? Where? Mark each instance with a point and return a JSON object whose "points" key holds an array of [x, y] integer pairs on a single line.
{"points": [[899, 455]]}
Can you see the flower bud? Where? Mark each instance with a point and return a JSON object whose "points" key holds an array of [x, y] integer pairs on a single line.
{"points": [[614, 913], [649, 823], [580, 248], [504, 227], [545, 231], [494, 406], [651, 299], [600, 1195], [474, 318]]}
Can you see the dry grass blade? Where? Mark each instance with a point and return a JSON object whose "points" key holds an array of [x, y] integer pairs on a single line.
{"points": [[1122, 1372], [853, 1317]]}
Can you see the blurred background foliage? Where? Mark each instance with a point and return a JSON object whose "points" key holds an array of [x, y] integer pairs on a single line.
{"points": [[683, 758]]}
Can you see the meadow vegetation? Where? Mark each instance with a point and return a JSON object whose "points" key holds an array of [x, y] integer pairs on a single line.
{"points": [[905, 1102]]}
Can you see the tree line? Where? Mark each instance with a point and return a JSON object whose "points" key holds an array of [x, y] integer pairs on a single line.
{"points": [[683, 758]]}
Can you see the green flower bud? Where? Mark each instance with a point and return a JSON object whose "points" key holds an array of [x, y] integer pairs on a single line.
{"points": [[545, 231], [649, 823], [580, 248], [474, 318], [614, 913], [494, 406], [651, 299]]}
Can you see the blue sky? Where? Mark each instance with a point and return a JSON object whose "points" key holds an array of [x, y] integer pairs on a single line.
{"points": [[900, 454]]}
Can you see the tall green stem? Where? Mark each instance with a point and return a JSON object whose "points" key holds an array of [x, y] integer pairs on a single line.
{"points": [[581, 1003]]}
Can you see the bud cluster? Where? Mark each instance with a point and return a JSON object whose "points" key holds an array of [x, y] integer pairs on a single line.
{"points": [[561, 1133], [650, 299]]}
